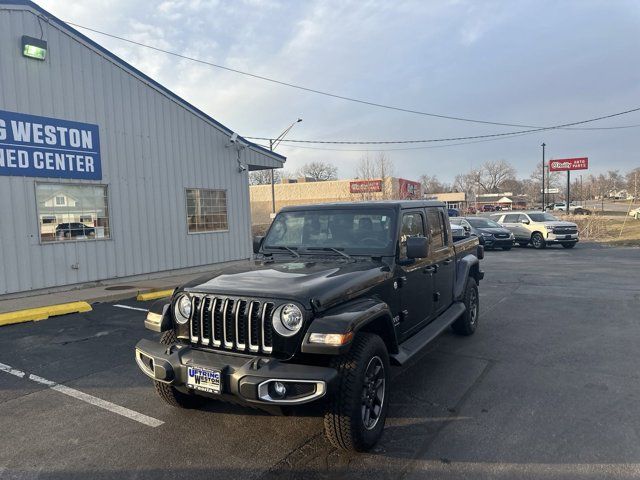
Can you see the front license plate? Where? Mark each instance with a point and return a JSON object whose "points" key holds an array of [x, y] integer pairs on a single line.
{"points": [[567, 237], [204, 379]]}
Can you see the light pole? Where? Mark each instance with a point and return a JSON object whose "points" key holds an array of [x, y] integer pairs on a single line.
{"points": [[273, 143], [543, 192]]}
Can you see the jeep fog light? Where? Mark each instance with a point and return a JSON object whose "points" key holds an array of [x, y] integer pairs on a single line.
{"points": [[331, 338]]}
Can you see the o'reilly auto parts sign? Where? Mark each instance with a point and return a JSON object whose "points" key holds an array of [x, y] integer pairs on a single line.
{"points": [[563, 164], [32, 146]]}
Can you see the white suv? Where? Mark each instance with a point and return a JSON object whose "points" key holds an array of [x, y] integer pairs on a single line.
{"points": [[538, 228]]}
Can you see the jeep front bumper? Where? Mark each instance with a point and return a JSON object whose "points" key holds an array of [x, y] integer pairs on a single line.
{"points": [[245, 377]]}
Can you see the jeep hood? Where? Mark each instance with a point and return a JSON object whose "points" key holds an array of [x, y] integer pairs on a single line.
{"points": [[325, 281]]}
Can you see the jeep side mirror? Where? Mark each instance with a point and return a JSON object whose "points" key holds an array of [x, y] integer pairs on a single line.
{"points": [[525, 221], [257, 243], [417, 247]]}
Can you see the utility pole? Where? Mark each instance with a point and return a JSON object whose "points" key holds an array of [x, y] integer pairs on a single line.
{"points": [[568, 189], [543, 192], [272, 145]]}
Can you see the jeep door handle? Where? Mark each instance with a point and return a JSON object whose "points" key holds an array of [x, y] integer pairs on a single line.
{"points": [[448, 261], [430, 269]]}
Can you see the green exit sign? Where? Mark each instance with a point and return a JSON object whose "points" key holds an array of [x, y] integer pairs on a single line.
{"points": [[34, 47]]}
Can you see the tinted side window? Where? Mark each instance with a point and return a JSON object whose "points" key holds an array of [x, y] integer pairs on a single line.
{"points": [[436, 232], [412, 226], [512, 218]]}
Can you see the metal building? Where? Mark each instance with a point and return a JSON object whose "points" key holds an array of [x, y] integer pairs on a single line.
{"points": [[105, 173]]}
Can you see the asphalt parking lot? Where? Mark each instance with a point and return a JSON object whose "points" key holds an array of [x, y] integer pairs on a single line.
{"points": [[546, 388]]}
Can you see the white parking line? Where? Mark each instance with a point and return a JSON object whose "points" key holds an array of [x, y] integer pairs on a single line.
{"points": [[131, 308], [85, 397]]}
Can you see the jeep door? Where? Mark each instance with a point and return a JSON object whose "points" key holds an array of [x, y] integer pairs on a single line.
{"points": [[441, 264], [414, 283]]}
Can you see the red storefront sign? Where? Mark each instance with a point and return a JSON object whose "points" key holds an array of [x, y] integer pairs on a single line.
{"points": [[365, 186], [565, 164], [409, 189]]}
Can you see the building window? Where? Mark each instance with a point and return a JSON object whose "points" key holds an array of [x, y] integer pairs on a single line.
{"points": [[206, 210], [72, 212]]}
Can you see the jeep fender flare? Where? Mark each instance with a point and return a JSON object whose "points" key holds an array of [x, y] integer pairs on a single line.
{"points": [[467, 266], [158, 317], [367, 314]]}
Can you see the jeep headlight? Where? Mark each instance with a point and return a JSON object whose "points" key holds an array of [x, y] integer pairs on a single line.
{"points": [[287, 320], [182, 309]]}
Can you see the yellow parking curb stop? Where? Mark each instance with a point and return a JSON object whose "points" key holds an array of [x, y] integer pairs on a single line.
{"points": [[144, 296], [42, 313]]}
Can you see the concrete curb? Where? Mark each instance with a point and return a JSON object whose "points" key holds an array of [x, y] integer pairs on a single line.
{"points": [[144, 296], [42, 313]]}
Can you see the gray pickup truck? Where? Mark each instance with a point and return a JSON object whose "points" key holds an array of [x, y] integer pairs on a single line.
{"points": [[336, 293]]}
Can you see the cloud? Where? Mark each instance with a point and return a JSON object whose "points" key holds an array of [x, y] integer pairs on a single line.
{"points": [[503, 61]]}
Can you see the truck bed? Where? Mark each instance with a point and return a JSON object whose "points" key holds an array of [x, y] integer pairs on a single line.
{"points": [[466, 246]]}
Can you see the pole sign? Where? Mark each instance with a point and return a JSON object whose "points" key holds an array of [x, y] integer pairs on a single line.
{"points": [[565, 164], [32, 146]]}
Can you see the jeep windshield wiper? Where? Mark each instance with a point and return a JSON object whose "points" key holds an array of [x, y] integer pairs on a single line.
{"points": [[331, 249], [288, 249]]}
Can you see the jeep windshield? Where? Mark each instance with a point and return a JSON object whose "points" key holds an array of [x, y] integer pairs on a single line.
{"points": [[355, 231], [542, 217]]}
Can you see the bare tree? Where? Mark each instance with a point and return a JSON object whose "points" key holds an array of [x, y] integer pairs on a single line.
{"points": [[380, 167], [492, 175], [431, 184], [633, 182], [263, 177], [318, 171]]}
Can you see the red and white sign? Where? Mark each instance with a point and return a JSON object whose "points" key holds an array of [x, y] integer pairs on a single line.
{"points": [[409, 189], [564, 164], [365, 186]]}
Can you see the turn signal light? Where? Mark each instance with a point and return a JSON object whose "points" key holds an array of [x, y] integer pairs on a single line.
{"points": [[331, 338]]}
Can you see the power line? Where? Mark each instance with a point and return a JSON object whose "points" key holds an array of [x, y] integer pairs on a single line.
{"points": [[321, 92], [451, 139], [306, 147]]}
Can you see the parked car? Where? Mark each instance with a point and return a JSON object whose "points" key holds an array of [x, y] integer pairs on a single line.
{"points": [[488, 208], [539, 229], [580, 210], [559, 207], [489, 233], [452, 212], [75, 229], [635, 213], [335, 294], [472, 210]]}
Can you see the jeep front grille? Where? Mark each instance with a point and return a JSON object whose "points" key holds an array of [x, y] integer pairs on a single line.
{"points": [[239, 325]]}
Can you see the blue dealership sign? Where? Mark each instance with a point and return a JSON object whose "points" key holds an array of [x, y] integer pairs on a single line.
{"points": [[32, 146]]}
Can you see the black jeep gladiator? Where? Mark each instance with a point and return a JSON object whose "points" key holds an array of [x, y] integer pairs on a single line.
{"points": [[336, 293]]}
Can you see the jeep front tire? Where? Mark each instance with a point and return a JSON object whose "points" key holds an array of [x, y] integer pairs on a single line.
{"points": [[356, 412], [170, 394]]}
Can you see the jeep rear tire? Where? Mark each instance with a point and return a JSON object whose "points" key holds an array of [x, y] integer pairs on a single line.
{"points": [[468, 321], [537, 240], [356, 412], [170, 394]]}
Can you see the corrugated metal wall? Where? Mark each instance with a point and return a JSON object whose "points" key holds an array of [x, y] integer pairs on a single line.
{"points": [[152, 149]]}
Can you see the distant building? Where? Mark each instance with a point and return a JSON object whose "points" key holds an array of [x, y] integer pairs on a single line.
{"points": [[506, 201], [457, 200], [302, 191]]}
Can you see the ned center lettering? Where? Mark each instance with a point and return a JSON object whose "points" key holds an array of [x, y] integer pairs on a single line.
{"points": [[33, 146]]}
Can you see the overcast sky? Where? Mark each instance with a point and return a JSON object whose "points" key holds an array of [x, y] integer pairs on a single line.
{"points": [[529, 62]]}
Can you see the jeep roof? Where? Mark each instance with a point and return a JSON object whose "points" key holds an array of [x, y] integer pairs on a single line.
{"points": [[367, 204]]}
